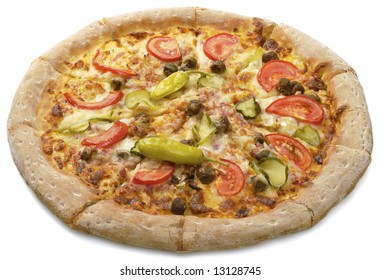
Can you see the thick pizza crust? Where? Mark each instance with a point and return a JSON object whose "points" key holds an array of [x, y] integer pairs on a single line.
{"points": [[350, 151], [230, 22], [107, 219], [355, 128], [326, 190], [150, 20], [39, 77], [311, 51], [84, 40], [178, 233], [206, 234], [70, 199], [64, 194]]}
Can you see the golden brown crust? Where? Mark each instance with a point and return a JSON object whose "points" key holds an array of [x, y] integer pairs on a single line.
{"points": [[39, 77], [84, 40], [64, 194], [108, 219], [327, 190], [311, 51], [354, 128], [349, 154], [347, 91], [206, 234], [150, 20], [230, 22]]}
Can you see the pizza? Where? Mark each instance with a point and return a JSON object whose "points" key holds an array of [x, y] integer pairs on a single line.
{"points": [[190, 129]]}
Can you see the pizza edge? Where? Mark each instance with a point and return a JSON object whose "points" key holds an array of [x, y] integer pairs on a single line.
{"points": [[85, 212]]}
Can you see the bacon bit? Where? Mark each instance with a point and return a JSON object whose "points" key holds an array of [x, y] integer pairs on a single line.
{"points": [[242, 213], [244, 78], [123, 173], [96, 176], [80, 167], [315, 83], [139, 35], [80, 65], [47, 144], [197, 205], [60, 145], [69, 154], [270, 45], [58, 160], [226, 205], [268, 201], [258, 26], [56, 111]]}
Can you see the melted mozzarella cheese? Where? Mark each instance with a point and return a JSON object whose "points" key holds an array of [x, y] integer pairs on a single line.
{"points": [[82, 115]]}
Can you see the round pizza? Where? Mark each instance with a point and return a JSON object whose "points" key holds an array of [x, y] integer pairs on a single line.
{"points": [[190, 129]]}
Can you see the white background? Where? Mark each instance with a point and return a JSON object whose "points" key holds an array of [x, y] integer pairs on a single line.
{"points": [[34, 244]]}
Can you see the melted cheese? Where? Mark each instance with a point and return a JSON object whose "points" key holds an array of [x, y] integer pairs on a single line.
{"points": [[169, 119]]}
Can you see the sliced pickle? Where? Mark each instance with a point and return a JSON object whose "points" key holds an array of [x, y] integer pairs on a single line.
{"points": [[71, 122], [79, 127], [274, 170], [204, 130], [210, 81], [308, 134], [135, 98], [248, 108], [107, 117]]}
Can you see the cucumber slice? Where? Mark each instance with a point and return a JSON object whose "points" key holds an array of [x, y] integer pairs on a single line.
{"points": [[248, 108], [274, 170], [308, 134]]}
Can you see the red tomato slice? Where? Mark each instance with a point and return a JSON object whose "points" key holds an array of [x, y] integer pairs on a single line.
{"points": [[105, 68], [220, 46], [154, 176], [300, 107], [164, 48], [272, 71], [231, 180], [111, 99], [108, 138], [292, 149]]}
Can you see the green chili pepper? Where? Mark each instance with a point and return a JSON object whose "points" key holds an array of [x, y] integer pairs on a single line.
{"points": [[161, 148], [169, 85]]}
